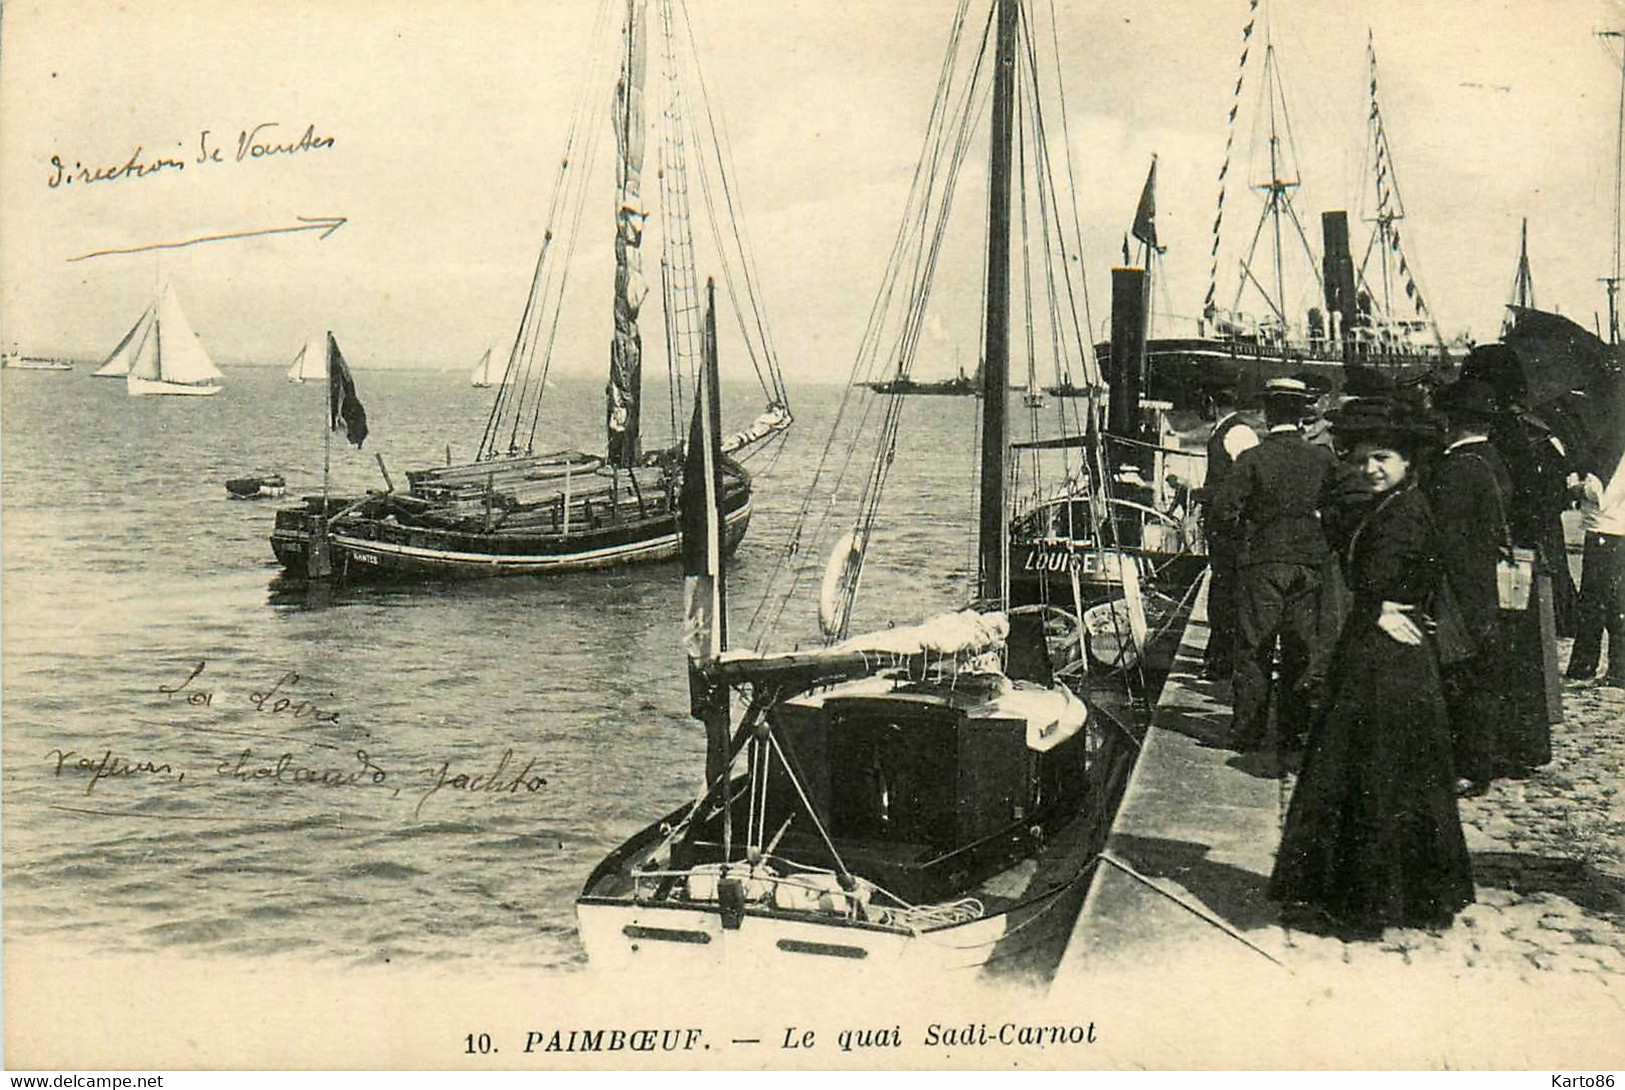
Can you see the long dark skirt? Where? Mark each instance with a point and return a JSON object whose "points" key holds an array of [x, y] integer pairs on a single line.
{"points": [[1483, 709], [1524, 740], [1373, 836]]}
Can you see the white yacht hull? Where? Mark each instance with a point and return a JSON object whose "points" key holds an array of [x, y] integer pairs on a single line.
{"points": [[142, 387], [624, 936]]}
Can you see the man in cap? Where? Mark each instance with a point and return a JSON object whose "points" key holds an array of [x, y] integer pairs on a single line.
{"points": [[1469, 491], [1230, 437], [1274, 495], [1316, 428]]}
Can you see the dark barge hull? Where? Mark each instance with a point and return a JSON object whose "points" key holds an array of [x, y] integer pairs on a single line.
{"points": [[364, 548]]}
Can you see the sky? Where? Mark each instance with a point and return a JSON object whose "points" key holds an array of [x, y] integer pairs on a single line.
{"points": [[448, 120]]}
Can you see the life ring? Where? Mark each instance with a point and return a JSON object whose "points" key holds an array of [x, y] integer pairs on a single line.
{"points": [[840, 585], [1109, 637]]}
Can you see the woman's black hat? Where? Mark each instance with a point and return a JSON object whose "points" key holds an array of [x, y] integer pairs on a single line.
{"points": [[1467, 397], [1381, 417]]}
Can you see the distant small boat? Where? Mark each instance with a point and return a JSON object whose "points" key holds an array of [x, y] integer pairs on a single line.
{"points": [[263, 486], [310, 363], [484, 374], [962, 385], [16, 361], [162, 355]]}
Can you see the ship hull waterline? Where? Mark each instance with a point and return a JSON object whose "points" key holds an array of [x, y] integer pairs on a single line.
{"points": [[421, 556], [620, 936], [1181, 371], [141, 387]]}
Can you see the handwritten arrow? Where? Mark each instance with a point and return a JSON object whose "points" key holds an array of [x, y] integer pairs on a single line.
{"points": [[325, 224]]}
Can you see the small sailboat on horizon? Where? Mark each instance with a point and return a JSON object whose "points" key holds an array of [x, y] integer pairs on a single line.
{"points": [[310, 363], [161, 354], [484, 375]]}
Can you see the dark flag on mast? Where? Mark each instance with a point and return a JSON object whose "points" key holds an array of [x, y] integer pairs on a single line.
{"points": [[343, 407], [700, 503], [705, 591], [1145, 216]]}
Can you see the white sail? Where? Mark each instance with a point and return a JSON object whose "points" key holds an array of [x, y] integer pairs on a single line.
{"points": [[169, 358], [310, 363], [182, 358], [144, 361], [119, 362]]}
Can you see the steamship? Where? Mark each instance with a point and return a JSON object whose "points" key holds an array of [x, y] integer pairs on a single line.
{"points": [[1345, 344]]}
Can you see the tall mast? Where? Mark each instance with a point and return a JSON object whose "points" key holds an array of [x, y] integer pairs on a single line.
{"points": [[1277, 186], [1383, 178], [1277, 190], [680, 284], [1612, 282], [1523, 289], [996, 365], [625, 388]]}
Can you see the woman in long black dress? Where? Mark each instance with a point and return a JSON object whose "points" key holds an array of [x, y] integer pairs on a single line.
{"points": [[1373, 837]]}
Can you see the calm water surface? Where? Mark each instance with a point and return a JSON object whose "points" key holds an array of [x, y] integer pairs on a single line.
{"points": [[207, 822]]}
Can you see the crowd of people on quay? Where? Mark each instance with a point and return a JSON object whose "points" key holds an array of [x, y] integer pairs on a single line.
{"points": [[1390, 575]]}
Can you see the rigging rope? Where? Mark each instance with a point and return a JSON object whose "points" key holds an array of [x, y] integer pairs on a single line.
{"points": [[722, 150], [1087, 361], [866, 356], [561, 183], [1229, 143]]}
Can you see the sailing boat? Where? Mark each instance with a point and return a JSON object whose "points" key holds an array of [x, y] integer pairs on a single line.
{"points": [[162, 355], [926, 796], [1363, 327], [484, 375], [517, 510], [310, 362]]}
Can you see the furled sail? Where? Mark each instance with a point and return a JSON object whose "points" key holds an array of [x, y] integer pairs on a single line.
{"points": [[172, 352], [626, 351], [776, 419], [659, 146], [123, 357]]}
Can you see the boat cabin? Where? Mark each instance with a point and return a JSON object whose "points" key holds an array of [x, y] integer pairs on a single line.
{"points": [[925, 788]]}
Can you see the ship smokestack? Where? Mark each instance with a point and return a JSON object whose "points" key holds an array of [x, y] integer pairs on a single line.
{"points": [[1338, 274], [1131, 296]]}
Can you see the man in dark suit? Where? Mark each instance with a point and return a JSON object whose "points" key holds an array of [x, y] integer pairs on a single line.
{"points": [[1469, 491], [1273, 497], [1320, 400], [1230, 437]]}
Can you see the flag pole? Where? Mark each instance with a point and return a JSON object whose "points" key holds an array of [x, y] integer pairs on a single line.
{"points": [[318, 562], [327, 424]]}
